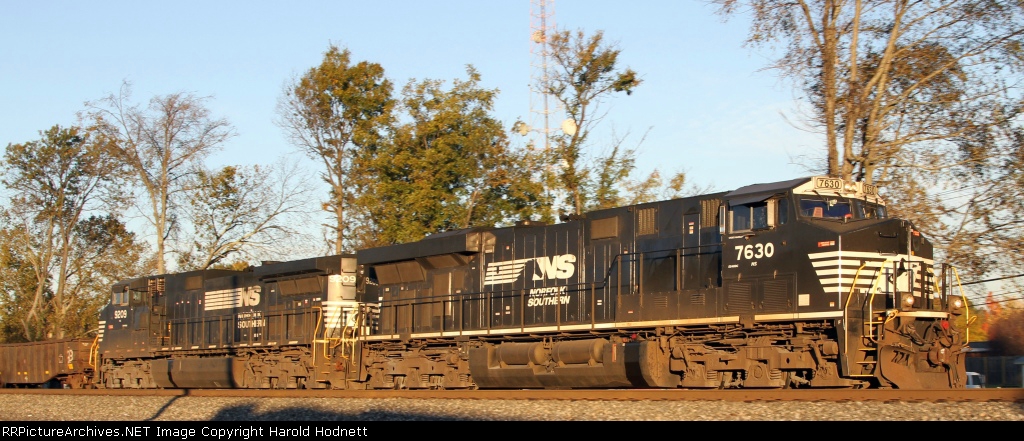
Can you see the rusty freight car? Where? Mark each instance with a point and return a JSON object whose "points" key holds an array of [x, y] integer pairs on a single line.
{"points": [[65, 363]]}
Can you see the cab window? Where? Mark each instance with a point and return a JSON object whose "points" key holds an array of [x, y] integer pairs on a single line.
{"points": [[119, 298], [829, 208], [873, 211], [838, 208]]}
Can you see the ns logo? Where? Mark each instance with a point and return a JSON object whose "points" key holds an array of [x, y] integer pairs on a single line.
{"points": [[562, 266], [557, 267], [250, 296]]}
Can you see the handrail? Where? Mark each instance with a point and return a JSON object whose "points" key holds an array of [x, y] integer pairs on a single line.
{"points": [[313, 340], [967, 307], [846, 307], [94, 350]]}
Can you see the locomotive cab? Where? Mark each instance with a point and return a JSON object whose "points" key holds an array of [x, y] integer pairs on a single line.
{"points": [[821, 248], [124, 318]]}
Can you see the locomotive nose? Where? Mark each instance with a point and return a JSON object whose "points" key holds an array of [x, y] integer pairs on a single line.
{"points": [[889, 237]]}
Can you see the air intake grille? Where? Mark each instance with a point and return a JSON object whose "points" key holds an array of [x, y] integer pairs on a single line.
{"points": [[647, 221], [709, 212]]}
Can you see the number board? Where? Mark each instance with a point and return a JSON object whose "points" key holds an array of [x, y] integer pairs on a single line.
{"points": [[829, 183]]}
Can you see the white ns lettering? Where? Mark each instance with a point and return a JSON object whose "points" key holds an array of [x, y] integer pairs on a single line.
{"points": [[558, 267], [251, 297]]}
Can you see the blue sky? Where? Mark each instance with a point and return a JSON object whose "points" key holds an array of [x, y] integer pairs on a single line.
{"points": [[711, 109]]}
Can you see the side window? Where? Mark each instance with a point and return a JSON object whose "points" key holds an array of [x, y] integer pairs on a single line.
{"points": [[783, 205], [760, 215], [752, 216], [740, 215]]}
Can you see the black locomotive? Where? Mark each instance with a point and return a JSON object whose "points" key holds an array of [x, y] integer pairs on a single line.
{"points": [[802, 283]]}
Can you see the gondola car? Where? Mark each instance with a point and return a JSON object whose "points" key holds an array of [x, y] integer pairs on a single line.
{"points": [[60, 363]]}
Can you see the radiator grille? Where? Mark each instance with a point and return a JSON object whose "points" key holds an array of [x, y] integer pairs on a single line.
{"points": [[738, 297], [776, 295]]}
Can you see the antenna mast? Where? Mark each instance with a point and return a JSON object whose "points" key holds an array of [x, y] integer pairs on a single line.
{"points": [[542, 25]]}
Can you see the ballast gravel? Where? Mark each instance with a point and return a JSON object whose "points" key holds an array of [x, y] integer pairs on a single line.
{"points": [[16, 407]]}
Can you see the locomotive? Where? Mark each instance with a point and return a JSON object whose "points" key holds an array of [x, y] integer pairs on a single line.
{"points": [[797, 284]]}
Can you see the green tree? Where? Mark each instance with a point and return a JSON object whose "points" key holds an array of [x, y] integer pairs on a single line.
{"points": [[449, 167], [161, 144], [54, 183], [331, 112], [240, 212]]}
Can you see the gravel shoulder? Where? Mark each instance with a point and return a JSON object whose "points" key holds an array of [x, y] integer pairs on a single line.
{"points": [[109, 408]]}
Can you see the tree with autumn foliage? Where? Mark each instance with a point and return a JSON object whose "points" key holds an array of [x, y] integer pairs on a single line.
{"points": [[449, 166], [61, 246], [1004, 325], [330, 113]]}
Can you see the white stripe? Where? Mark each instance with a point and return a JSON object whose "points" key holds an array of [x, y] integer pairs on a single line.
{"points": [[527, 330], [926, 314], [799, 315], [847, 271]]}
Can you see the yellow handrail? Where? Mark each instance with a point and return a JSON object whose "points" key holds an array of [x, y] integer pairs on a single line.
{"points": [[313, 340], [873, 289], [94, 350], [967, 307]]}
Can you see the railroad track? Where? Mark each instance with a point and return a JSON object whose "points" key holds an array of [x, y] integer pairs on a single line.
{"points": [[734, 395]]}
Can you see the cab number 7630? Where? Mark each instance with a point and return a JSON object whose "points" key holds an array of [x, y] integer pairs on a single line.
{"points": [[754, 251]]}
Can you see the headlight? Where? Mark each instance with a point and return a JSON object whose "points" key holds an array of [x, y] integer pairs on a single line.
{"points": [[956, 306], [908, 300]]}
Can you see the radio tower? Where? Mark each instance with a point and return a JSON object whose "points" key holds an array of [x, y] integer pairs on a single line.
{"points": [[542, 25]]}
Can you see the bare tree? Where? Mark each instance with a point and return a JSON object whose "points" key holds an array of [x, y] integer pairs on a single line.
{"points": [[887, 75], [161, 143], [920, 97], [243, 212]]}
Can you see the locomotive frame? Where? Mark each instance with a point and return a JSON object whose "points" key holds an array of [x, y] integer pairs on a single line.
{"points": [[801, 283]]}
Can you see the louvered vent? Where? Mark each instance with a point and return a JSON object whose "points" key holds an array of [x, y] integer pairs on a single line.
{"points": [[647, 221], [738, 298], [776, 295], [660, 301], [709, 212]]}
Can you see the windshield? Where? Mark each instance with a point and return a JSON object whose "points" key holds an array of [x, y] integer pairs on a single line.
{"points": [[839, 208]]}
